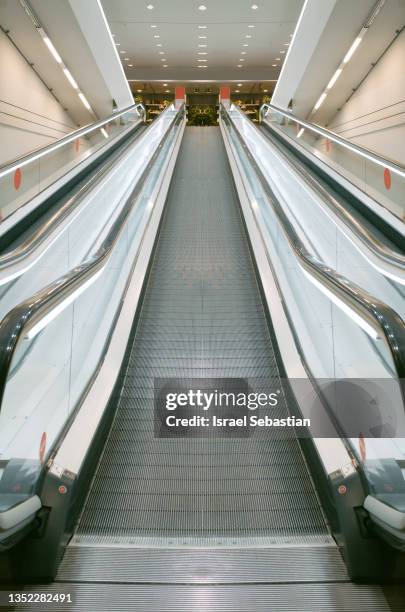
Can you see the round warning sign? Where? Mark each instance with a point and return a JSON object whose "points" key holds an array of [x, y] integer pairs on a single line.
{"points": [[42, 447], [362, 447], [342, 489]]}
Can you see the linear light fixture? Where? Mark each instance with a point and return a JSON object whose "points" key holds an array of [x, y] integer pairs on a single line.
{"points": [[334, 78], [300, 133], [52, 49], [354, 316], [320, 100], [84, 101], [104, 132], [352, 49], [52, 314], [70, 78]]}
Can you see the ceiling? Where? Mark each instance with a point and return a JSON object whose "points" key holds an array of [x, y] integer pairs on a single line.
{"points": [[167, 42], [168, 87]]}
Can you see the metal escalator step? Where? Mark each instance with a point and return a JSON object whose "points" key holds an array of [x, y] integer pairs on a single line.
{"points": [[327, 597], [187, 566], [201, 317]]}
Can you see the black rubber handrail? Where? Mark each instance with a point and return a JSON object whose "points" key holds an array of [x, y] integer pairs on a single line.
{"points": [[384, 319], [41, 234], [28, 158], [21, 318], [344, 142]]}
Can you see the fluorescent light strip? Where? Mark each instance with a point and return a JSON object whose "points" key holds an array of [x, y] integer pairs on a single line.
{"points": [[320, 100], [300, 133], [365, 326], [50, 316], [334, 78], [52, 49], [84, 101], [120, 67], [352, 50], [290, 46], [70, 78], [104, 132]]}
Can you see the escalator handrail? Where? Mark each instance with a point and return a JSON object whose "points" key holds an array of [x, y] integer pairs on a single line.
{"points": [[347, 144], [28, 158], [18, 322], [368, 238], [384, 319], [43, 232]]}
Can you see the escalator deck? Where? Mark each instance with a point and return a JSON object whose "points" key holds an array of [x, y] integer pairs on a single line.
{"points": [[202, 317]]}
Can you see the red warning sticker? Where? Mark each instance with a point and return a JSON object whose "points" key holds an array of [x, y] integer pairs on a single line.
{"points": [[362, 447], [17, 179], [387, 178], [62, 489], [42, 447], [342, 489]]}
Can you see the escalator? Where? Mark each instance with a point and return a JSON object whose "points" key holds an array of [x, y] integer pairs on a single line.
{"points": [[53, 189], [369, 194], [190, 522], [201, 316]]}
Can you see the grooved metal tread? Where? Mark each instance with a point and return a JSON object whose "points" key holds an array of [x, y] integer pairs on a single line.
{"points": [[202, 316], [215, 566], [227, 598]]}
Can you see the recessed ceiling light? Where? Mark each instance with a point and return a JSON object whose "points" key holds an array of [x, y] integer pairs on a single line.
{"points": [[165, 66], [202, 27], [265, 90], [122, 51], [239, 66], [202, 7], [243, 52], [202, 66], [167, 90], [153, 25], [248, 36], [236, 90], [251, 26], [239, 84], [130, 65], [161, 52], [162, 59], [274, 65], [277, 59], [202, 46], [139, 90], [254, 7], [164, 84], [286, 44], [150, 7], [126, 59], [202, 53], [245, 45], [202, 36], [282, 51], [158, 44], [117, 44], [156, 36], [202, 60]]}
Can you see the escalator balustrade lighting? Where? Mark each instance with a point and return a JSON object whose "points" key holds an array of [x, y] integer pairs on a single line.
{"points": [[59, 308], [354, 316]]}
